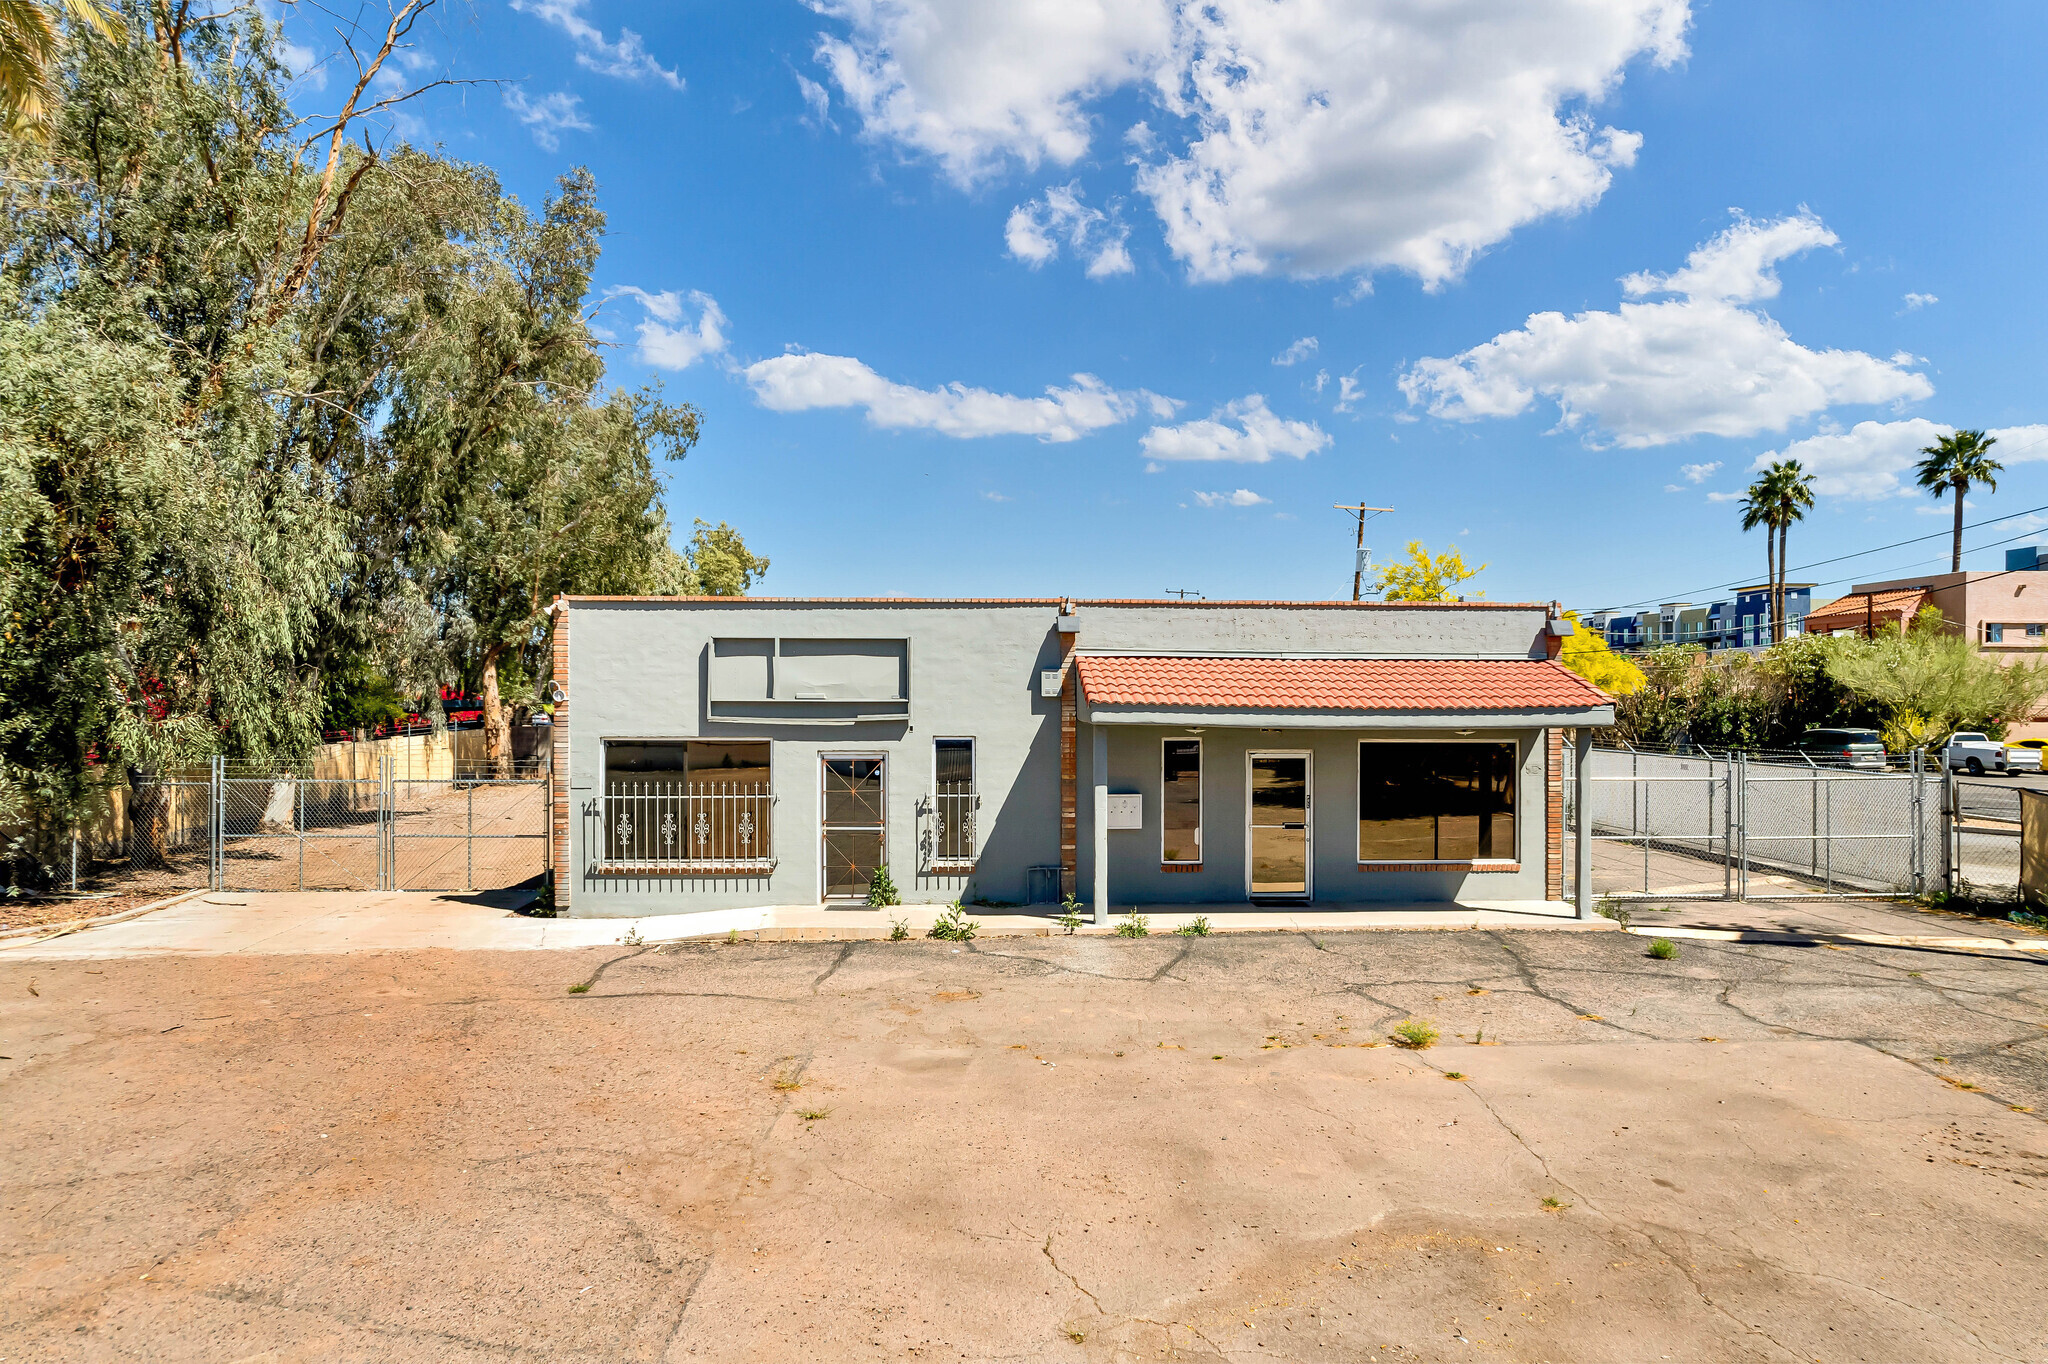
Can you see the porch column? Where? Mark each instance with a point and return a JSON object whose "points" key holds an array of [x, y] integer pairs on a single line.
{"points": [[1100, 772], [1582, 830]]}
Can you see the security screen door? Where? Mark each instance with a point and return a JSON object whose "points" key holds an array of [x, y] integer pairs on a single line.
{"points": [[1278, 834], [855, 828]]}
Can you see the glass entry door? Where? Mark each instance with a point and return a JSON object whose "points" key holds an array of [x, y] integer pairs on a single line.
{"points": [[854, 798], [1278, 833]]}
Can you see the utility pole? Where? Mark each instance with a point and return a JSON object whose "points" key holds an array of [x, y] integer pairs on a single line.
{"points": [[1358, 562], [1183, 593]]}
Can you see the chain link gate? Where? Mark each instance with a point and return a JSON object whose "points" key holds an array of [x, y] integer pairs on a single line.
{"points": [[1694, 826], [289, 831]]}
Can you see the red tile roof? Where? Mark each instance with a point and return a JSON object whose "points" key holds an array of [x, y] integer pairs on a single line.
{"points": [[1379, 684], [1860, 609]]}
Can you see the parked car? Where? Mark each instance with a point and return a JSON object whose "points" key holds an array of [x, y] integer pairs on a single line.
{"points": [[1978, 753], [1859, 748]]}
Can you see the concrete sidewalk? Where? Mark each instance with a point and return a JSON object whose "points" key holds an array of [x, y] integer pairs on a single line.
{"points": [[313, 922], [290, 922]]}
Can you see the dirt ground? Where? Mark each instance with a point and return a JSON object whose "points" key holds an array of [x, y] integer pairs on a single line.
{"points": [[1043, 1149]]}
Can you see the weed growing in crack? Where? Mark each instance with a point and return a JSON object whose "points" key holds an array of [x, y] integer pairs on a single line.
{"points": [[1663, 949], [631, 937], [899, 929], [732, 937], [1607, 907], [580, 988], [954, 925], [1197, 927], [1454, 1075], [788, 1082], [1071, 918], [1076, 1335], [1135, 925], [1417, 1034], [1553, 1205], [813, 1114]]}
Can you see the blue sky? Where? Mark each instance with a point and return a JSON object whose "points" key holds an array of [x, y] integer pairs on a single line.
{"points": [[1569, 267]]}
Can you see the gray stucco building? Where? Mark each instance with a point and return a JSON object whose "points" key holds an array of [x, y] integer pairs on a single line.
{"points": [[714, 753]]}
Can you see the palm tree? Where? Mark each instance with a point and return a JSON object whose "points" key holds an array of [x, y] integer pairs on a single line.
{"points": [[1956, 461], [29, 40], [1777, 499]]}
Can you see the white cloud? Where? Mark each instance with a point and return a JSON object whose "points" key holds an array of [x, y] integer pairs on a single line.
{"points": [[817, 100], [803, 380], [1243, 497], [1035, 230], [1296, 353], [667, 340], [1875, 459], [1914, 302], [1652, 373], [1256, 437], [1322, 380], [1736, 266], [628, 57], [1723, 497], [549, 116], [1318, 137], [1349, 391], [1673, 488], [996, 497], [979, 86], [1700, 473]]}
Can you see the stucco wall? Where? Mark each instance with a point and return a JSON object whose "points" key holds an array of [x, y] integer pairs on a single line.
{"points": [[1135, 872], [637, 670]]}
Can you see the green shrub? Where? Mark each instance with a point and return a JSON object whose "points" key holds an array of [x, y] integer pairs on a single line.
{"points": [[1663, 949], [1197, 927], [882, 891], [1135, 925], [954, 925], [1070, 920], [1417, 1034]]}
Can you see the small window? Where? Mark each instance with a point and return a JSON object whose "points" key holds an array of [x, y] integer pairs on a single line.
{"points": [[1180, 801], [1994, 634], [1436, 802], [2036, 631], [953, 800], [698, 801]]}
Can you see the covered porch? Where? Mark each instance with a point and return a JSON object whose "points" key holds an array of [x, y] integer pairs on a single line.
{"points": [[1273, 784]]}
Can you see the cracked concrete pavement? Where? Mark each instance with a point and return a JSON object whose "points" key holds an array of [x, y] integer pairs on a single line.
{"points": [[1063, 1149]]}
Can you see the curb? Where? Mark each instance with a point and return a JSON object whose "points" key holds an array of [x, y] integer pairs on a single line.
{"points": [[1765, 935], [9, 937], [864, 933]]}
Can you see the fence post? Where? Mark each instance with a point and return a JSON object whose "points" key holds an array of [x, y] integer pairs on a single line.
{"points": [[1728, 830], [469, 844], [1742, 823]]}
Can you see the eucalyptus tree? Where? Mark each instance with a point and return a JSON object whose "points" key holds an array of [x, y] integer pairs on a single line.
{"points": [[1953, 463], [281, 409]]}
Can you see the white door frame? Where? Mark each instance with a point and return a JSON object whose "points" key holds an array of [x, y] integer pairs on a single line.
{"points": [[1308, 845], [818, 775]]}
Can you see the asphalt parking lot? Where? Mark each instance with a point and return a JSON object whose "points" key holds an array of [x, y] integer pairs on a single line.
{"points": [[1065, 1149]]}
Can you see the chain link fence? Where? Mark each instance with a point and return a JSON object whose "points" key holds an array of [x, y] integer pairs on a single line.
{"points": [[318, 828], [1702, 826]]}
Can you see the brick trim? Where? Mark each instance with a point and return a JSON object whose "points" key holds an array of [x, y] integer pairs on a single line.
{"points": [[559, 749], [1070, 768], [1553, 814], [1440, 866], [1180, 866]]}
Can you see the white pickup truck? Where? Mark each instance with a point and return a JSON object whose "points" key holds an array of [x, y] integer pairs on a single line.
{"points": [[1976, 754]]}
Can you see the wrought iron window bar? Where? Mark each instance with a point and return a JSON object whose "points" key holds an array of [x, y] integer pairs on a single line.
{"points": [[699, 826]]}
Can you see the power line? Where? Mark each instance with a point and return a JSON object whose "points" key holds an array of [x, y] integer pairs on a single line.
{"points": [[1858, 554]]}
